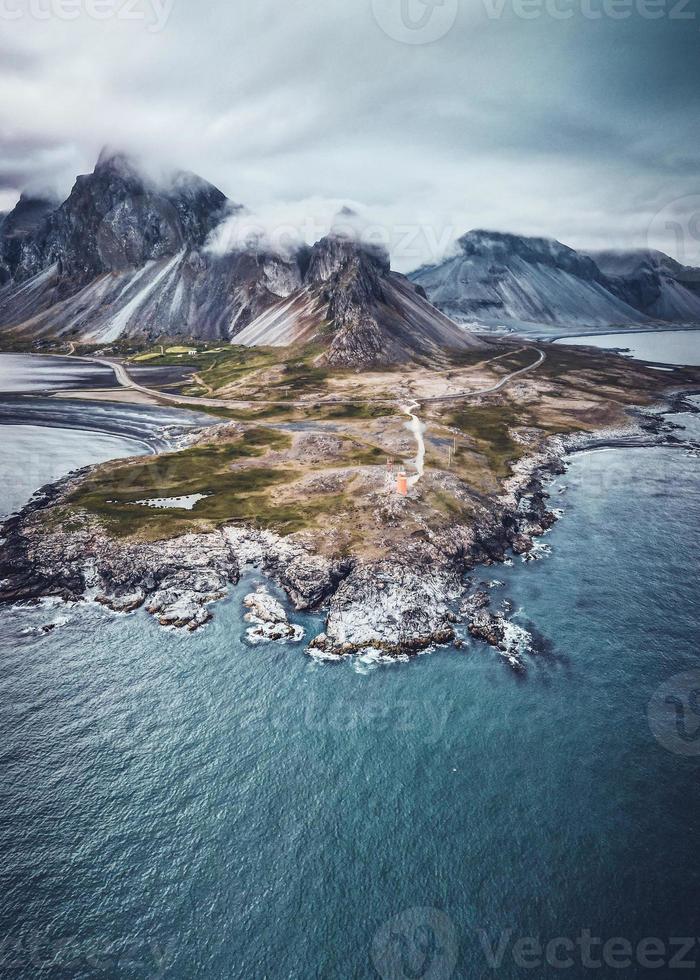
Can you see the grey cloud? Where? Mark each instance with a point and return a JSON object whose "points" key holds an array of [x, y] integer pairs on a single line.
{"points": [[582, 129]]}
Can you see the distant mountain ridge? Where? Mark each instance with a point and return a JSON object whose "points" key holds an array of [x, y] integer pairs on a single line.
{"points": [[124, 256], [654, 283], [499, 279]]}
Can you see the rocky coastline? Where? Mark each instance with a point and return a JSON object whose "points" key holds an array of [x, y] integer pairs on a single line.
{"points": [[392, 608]]}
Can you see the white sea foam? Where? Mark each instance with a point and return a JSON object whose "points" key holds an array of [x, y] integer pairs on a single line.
{"points": [[539, 550]]}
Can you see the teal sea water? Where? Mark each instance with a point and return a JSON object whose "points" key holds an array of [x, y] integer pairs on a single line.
{"points": [[662, 346], [193, 806]]}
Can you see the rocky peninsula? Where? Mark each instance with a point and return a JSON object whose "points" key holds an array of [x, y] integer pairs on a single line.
{"points": [[395, 607], [311, 506]]}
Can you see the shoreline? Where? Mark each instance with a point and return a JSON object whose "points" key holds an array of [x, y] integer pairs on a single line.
{"points": [[177, 580], [496, 629], [158, 427], [87, 430], [670, 328]]}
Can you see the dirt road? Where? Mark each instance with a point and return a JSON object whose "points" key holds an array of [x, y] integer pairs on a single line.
{"points": [[126, 381]]}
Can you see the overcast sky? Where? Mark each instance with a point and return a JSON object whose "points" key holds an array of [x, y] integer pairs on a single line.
{"points": [[430, 119]]}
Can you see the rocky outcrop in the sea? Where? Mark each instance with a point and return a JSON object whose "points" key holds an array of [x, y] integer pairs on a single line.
{"points": [[268, 618], [307, 578], [390, 607], [511, 640]]}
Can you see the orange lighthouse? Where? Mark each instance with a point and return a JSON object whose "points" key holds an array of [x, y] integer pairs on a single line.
{"points": [[402, 484]]}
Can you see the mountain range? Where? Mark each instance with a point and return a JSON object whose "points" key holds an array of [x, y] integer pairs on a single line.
{"points": [[124, 256], [503, 280], [128, 256]]}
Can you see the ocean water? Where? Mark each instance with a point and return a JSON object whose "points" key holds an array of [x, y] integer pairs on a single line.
{"points": [[663, 346], [32, 373], [44, 437], [193, 806], [34, 455]]}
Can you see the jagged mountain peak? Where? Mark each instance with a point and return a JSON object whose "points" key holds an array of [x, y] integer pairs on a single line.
{"points": [[345, 212], [118, 162], [338, 252], [364, 314], [125, 254], [31, 196], [29, 211], [116, 218], [19, 229], [125, 172], [187, 184]]}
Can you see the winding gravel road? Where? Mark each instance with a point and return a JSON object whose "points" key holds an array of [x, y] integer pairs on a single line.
{"points": [[126, 381]]}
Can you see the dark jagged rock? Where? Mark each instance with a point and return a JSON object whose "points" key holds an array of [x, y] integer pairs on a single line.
{"points": [[307, 578], [390, 609], [510, 640], [115, 219], [338, 256], [476, 601], [378, 316], [17, 230], [124, 255], [365, 314]]}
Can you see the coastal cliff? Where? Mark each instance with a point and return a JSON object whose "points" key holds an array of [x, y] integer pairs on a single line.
{"points": [[394, 607]]}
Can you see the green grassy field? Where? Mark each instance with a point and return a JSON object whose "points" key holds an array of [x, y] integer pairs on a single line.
{"points": [[487, 428], [234, 493]]}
